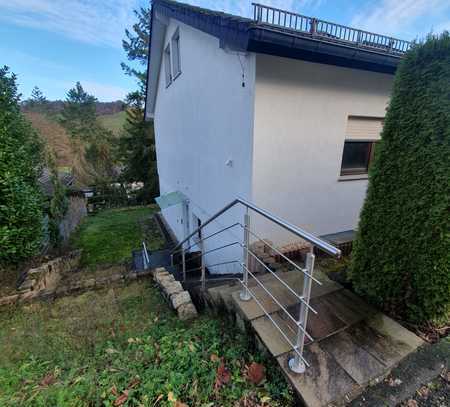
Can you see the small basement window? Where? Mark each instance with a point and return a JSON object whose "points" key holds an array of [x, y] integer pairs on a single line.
{"points": [[357, 157], [167, 65], [176, 60]]}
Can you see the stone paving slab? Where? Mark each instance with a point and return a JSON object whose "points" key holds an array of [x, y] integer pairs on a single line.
{"points": [[319, 326], [325, 381], [356, 361], [251, 310], [386, 350]]}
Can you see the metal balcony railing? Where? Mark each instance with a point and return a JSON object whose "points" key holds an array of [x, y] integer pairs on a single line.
{"points": [[330, 32], [297, 363]]}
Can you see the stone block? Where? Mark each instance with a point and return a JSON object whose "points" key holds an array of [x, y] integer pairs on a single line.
{"points": [[187, 311], [174, 287], [180, 299], [159, 274]]}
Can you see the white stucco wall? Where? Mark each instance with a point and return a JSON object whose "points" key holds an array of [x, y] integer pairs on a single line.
{"points": [[301, 111], [203, 119]]}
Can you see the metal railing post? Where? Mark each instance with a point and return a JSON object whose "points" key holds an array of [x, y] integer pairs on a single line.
{"points": [[203, 277], [245, 294], [183, 261], [296, 363]]}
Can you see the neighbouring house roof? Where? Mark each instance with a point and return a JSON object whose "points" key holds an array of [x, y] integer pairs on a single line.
{"points": [[276, 32]]}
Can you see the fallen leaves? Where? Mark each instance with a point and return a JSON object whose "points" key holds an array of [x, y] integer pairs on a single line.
{"points": [[256, 373], [48, 380], [223, 376], [121, 399]]}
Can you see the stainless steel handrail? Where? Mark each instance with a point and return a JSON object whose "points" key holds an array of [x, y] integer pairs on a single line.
{"points": [[316, 241], [278, 252], [297, 363]]}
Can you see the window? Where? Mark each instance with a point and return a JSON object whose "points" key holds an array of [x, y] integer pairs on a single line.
{"points": [[167, 65], [176, 62], [357, 157]]}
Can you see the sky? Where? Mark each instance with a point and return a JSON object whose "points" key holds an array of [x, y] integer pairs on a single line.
{"points": [[54, 43]]}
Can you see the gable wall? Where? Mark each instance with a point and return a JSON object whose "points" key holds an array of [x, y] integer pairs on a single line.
{"points": [[203, 119], [301, 111]]}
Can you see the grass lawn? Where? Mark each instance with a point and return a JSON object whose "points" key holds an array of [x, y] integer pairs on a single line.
{"points": [[123, 346], [114, 122], [111, 235]]}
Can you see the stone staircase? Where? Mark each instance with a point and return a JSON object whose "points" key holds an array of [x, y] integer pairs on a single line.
{"points": [[354, 345]]}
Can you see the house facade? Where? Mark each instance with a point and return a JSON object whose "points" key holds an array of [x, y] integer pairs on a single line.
{"points": [[285, 115]]}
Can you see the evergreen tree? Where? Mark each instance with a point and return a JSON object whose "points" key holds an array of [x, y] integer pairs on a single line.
{"points": [[21, 162], [401, 258], [37, 96], [137, 145], [37, 102], [78, 116]]}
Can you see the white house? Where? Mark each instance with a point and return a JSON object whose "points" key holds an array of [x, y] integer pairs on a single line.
{"points": [[282, 110]]}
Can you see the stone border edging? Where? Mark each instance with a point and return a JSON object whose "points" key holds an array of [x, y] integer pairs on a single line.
{"points": [[179, 299]]}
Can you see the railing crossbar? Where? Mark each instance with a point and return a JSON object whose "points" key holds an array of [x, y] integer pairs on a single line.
{"points": [[282, 307], [284, 283], [212, 251], [293, 346], [282, 255], [215, 265], [206, 238]]}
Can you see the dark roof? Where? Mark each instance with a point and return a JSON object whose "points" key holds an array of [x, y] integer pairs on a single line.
{"points": [[292, 35]]}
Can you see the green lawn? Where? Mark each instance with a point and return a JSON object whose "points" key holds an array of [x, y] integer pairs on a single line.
{"points": [[124, 346], [111, 235], [113, 122]]}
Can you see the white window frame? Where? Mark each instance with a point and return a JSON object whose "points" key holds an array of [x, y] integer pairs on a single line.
{"points": [[176, 57], [168, 65]]}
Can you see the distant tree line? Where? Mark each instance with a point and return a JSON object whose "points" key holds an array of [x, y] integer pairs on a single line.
{"points": [[37, 102]]}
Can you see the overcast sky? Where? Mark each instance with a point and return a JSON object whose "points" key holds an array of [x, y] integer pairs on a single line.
{"points": [[54, 43]]}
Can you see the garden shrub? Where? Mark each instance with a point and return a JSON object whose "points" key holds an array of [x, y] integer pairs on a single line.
{"points": [[401, 258], [21, 158]]}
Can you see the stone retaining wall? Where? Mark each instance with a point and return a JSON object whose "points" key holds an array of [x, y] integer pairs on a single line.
{"points": [[43, 278]]}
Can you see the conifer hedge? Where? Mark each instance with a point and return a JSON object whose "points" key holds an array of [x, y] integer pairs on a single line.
{"points": [[401, 258]]}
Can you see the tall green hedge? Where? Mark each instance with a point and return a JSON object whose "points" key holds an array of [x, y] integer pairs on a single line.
{"points": [[21, 160], [401, 258]]}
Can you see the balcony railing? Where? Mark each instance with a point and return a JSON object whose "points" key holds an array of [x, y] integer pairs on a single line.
{"points": [[330, 32]]}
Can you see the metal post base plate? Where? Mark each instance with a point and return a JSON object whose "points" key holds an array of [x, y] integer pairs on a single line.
{"points": [[244, 295], [297, 367]]}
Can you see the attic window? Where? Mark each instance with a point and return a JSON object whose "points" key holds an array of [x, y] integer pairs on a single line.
{"points": [[176, 62], [167, 65]]}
